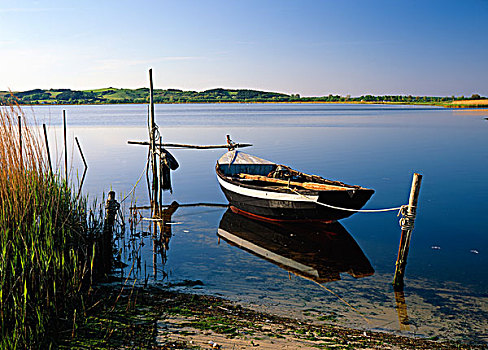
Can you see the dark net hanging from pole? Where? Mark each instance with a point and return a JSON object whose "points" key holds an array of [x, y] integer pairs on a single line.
{"points": [[168, 163]]}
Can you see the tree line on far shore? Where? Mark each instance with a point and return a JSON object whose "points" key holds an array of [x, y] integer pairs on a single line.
{"points": [[113, 95]]}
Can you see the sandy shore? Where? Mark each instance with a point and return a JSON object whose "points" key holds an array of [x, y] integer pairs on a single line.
{"points": [[161, 319]]}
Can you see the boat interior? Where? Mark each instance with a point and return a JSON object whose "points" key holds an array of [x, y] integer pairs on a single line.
{"points": [[274, 175]]}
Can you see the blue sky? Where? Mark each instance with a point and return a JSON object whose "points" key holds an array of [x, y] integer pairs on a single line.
{"points": [[313, 48]]}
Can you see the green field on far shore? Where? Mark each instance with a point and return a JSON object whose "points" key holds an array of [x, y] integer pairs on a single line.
{"points": [[141, 95]]}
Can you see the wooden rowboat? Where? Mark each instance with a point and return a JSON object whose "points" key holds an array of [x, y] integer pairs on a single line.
{"points": [[258, 187]]}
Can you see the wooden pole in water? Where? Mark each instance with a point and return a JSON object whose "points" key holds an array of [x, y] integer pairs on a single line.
{"points": [[152, 139], [407, 224], [182, 145], [111, 209], [84, 170], [65, 149], [47, 147]]}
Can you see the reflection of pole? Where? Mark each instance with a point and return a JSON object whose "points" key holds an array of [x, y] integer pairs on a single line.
{"points": [[155, 254], [401, 307], [407, 224], [165, 224], [162, 243], [160, 182]]}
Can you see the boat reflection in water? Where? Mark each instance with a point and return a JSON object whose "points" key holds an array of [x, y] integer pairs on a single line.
{"points": [[313, 250]]}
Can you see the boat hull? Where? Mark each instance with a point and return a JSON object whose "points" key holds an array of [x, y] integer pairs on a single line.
{"points": [[287, 205]]}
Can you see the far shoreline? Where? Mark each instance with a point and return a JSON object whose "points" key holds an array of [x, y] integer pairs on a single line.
{"points": [[467, 105], [113, 95]]}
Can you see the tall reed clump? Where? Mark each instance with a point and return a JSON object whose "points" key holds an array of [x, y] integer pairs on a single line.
{"points": [[46, 243]]}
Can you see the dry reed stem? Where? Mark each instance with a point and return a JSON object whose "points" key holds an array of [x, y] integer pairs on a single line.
{"points": [[483, 102], [43, 237]]}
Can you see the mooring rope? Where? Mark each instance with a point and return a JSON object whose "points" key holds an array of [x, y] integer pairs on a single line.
{"points": [[346, 209], [408, 218], [344, 301], [137, 182]]}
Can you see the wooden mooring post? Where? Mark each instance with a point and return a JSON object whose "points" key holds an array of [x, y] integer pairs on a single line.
{"points": [[161, 161], [152, 139], [47, 148], [407, 224], [111, 209]]}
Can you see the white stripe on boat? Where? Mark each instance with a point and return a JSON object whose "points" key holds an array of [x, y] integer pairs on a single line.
{"points": [[265, 194], [265, 253]]}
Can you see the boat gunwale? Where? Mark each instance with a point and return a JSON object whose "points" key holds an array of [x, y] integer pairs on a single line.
{"points": [[282, 188], [277, 188]]}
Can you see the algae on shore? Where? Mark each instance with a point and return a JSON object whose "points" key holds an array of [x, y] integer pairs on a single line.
{"points": [[156, 318]]}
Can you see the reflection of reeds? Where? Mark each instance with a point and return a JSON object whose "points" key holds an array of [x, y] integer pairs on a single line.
{"points": [[45, 240]]}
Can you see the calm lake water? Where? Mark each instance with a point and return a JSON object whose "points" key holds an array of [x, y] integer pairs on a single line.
{"points": [[379, 147]]}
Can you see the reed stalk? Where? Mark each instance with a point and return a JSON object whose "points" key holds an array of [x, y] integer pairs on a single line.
{"points": [[46, 240]]}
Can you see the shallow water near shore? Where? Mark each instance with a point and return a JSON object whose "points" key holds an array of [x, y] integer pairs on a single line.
{"points": [[446, 292]]}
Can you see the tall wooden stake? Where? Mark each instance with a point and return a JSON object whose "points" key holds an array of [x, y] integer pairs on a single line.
{"points": [[84, 170], [111, 209], [152, 139], [47, 148], [407, 228]]}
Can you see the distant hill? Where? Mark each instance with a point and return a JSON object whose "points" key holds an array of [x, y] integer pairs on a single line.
{"points": [[113, 95]]}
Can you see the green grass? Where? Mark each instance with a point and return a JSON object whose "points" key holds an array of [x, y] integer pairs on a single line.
{"points": [[121, 94], [100, 90], [46, 242], [54, 94]]}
